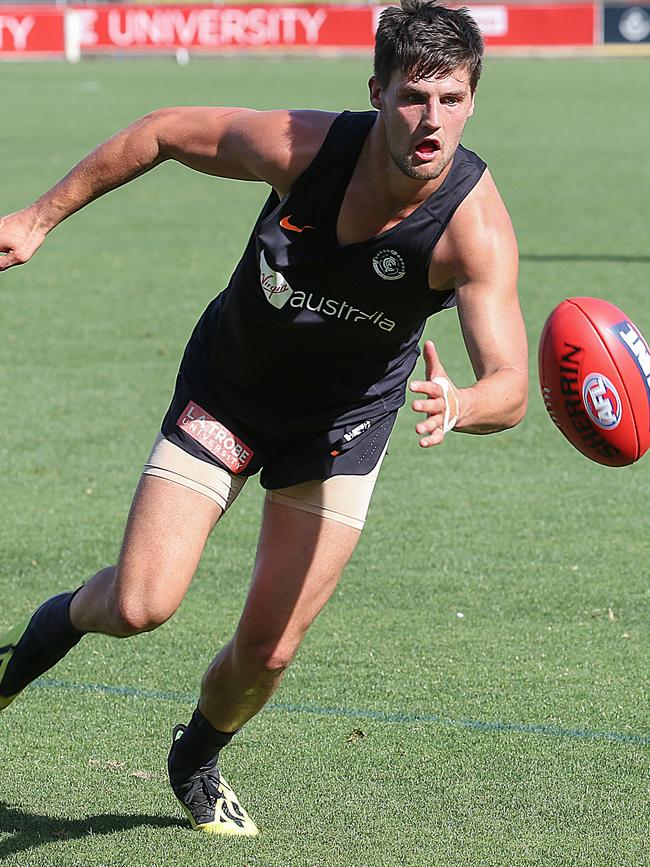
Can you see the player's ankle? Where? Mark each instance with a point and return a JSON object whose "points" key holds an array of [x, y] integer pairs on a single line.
{"points": [[198, 747], [49, 636]]}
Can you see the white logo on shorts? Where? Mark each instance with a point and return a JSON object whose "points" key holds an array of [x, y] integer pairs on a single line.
{"points": [[215, 437]]}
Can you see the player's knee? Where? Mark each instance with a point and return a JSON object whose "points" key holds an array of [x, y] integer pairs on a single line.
{"points": [[135, 616], [267, 657]]}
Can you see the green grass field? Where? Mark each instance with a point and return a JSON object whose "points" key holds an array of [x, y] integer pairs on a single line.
{"points": [[404, 734]]}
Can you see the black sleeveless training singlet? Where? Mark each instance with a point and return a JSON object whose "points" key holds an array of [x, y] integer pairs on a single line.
{"points": [[310, 335]]}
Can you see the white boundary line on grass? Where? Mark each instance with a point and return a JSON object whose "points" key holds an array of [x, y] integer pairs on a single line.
{"points": [[488, 726]]}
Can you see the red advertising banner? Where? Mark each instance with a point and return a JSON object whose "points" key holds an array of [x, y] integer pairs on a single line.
{"points": [[223, 28], [245, 28], [521, 26], [536, 26], [31, 31], [42, 30]]}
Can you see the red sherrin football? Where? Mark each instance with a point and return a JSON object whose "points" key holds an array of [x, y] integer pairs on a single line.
{"points": [[594, 372]]}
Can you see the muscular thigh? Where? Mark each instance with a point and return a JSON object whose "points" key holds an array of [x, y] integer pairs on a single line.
{"points": [[299, 561], [166, 532]]}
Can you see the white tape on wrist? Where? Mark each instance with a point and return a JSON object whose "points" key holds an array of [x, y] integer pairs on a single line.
{"points": [[447, 422]]}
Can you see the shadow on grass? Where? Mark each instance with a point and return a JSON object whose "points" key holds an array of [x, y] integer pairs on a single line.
{"points": [[31, 829]]}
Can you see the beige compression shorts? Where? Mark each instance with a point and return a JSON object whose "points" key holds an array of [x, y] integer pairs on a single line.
{"points": [[340, 498]]}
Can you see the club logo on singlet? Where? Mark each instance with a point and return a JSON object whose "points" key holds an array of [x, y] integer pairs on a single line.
{"points": [[389, 265], [274, 286]]}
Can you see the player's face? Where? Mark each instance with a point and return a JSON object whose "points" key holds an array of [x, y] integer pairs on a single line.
{"points": [[423, 120]]}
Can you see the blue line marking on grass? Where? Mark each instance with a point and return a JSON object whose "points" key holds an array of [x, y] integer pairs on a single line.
{"points": [[361, 713]]}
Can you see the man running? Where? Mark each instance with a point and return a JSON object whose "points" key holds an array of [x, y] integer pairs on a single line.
{"points": [[375, 221]]}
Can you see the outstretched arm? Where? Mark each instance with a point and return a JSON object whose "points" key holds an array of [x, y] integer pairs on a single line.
{"points": [[484, 250], [236, 143]]}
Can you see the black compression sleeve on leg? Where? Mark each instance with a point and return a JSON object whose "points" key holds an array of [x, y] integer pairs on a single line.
{"points": [[199, 747], [47, 638]]}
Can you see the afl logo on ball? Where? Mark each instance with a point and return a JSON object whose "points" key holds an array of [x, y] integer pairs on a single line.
{"points": [[601, 401], [389, 265]]}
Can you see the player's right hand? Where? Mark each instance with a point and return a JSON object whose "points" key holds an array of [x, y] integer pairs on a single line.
{"points": [[441, 403], [20, 237]]}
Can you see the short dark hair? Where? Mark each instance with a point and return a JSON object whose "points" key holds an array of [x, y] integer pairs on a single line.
{"points": [[423, 39]]}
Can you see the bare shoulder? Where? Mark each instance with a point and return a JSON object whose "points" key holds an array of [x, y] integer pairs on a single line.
{"points": [[279, 145], [482, 261], [479, 239], [242, 143], [481, 230]]}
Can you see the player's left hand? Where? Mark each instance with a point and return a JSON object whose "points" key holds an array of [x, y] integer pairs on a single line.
{"points": [[440, 404]]}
